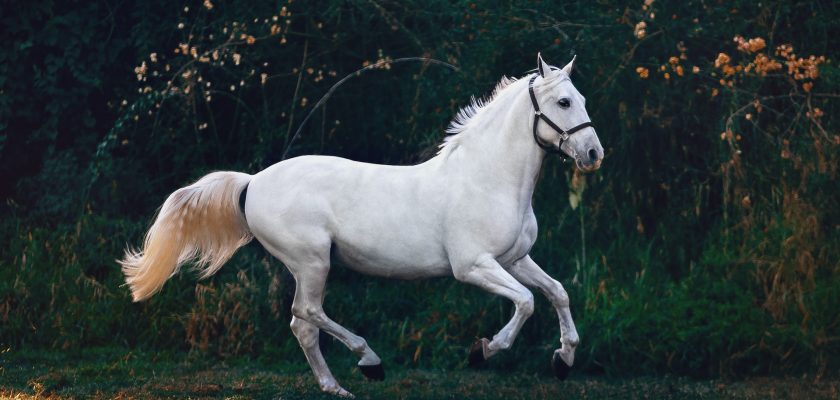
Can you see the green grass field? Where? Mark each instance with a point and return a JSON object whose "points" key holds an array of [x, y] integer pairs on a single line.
{"points": [[105, 373]]}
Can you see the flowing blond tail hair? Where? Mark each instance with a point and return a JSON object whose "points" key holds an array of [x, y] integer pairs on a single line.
{"points": [[201, 221]]}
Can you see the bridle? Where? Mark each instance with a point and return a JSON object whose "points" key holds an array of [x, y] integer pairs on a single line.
{"points": [[538, 115]]}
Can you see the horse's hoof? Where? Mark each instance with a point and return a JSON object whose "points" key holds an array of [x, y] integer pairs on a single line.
{"points": [[477, 352], [561, 369], [337, 391], [373, 372]]}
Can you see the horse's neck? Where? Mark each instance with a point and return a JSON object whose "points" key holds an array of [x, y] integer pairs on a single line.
{"points": [[500, 152]]}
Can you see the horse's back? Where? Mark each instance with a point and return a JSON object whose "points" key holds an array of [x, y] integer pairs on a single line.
{"points": [[381, 219]]}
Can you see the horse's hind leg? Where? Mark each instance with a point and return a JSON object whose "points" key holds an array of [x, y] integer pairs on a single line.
{"points": [[310, 265], [307, 336], [308, 305], [530, 274]]}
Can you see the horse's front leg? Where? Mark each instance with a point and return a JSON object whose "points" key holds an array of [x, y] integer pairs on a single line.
{"points": [[487, 274], [528, 272]]}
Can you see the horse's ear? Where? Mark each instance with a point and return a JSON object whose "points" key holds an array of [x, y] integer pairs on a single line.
{"points": [[568, 68], [542, 66]]}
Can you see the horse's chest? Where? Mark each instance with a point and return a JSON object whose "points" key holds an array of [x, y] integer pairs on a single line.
{"points": [[522, 242]]}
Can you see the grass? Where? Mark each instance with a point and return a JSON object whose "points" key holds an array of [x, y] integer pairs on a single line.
{"points": [[105, 373]]}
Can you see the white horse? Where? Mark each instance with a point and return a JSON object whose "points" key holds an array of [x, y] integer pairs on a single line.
{"points": [[464, 213]]}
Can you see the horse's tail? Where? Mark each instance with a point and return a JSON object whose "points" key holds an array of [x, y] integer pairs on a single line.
{"points": [[202, 221]]}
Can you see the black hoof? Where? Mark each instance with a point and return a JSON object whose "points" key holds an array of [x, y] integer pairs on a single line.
{"points": [[477, 353], [373, 372], [561, 369]]}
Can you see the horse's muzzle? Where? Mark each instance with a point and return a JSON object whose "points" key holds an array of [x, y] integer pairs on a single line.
{"points": [[590, 161]]}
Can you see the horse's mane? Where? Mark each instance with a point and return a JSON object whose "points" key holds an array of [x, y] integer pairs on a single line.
{"points": [[465, 114]]}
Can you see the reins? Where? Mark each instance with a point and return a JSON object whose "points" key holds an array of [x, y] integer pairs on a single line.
{"points": [[538, 115]]}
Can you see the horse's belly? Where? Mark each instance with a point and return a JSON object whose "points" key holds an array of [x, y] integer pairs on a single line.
{"points": [[381, 220], [391, 260], [389, 225]]}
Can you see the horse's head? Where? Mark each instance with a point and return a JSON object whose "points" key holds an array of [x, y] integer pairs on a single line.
{"points": [[564, 107]]}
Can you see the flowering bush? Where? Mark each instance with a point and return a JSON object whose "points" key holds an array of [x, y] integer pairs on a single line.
{"points": [[715, 207]]}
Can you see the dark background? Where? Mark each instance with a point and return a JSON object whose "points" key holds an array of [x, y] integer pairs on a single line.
{"points": [[706, 245]]}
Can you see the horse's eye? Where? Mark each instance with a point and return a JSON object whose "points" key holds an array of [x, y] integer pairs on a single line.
{"points": [[564, 102]]}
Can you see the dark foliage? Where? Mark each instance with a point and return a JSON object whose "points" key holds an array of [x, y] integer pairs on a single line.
{"points": [[707, 244]]}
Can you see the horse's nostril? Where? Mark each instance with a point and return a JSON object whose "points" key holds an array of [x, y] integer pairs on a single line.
{"points": [[593, 155]]}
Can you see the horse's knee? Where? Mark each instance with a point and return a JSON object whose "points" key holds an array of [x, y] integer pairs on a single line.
{"points": [[525, 304], [561, 298]]}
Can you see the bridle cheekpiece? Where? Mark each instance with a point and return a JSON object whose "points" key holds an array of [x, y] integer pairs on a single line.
{"points": [[538, 115]]}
